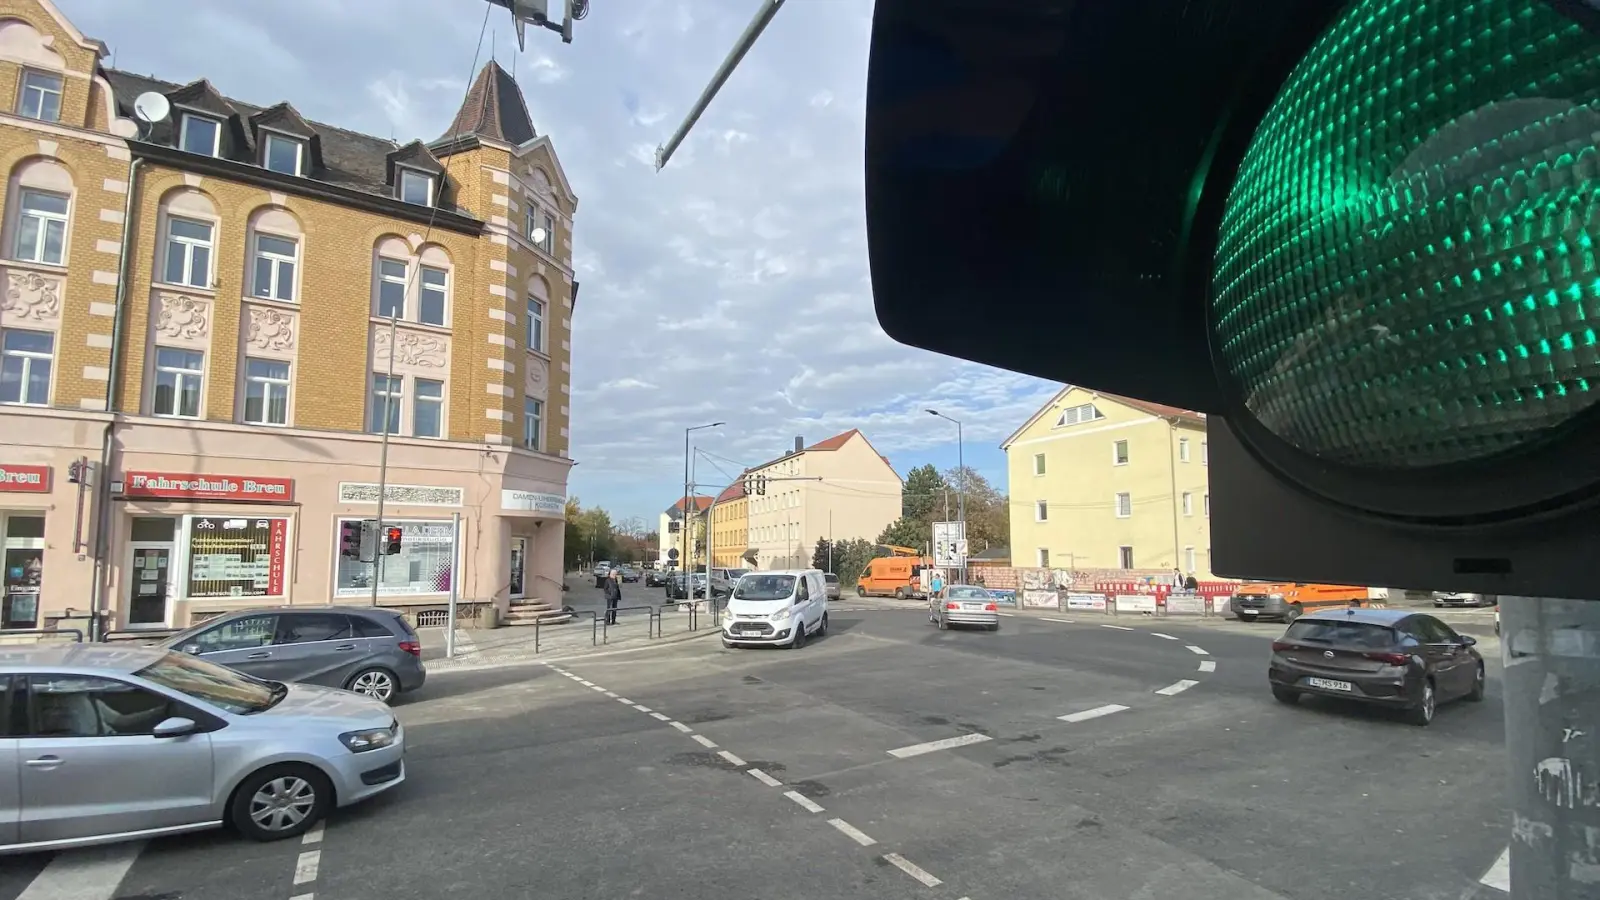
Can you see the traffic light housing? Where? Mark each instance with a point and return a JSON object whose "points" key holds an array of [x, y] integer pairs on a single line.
{"points": [[391, 540], [1357, 234], [350, 539]]}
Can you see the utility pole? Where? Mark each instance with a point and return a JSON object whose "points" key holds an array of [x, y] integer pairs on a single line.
{"points": [[383, 469]]}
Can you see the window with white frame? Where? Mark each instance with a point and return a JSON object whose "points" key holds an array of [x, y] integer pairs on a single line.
{"points": [[40, 96], [1205, 454], [1119, 453], [1183, 449], [388, 396], [26, 358], [189, 247], [1188, 503], [546, 224], [427, 409], [1124, 505], [433, 296], [1038, 464], [200, 134], [280, 153], [41, 228], [532, 423], [1041, 511], [1125, 556], [274, 267], [392, 288], [1206, 502], [266, 392], [1188, 560], [535, 324], [415, 187], [1042, 557], [179, 376], [1074, 415]]}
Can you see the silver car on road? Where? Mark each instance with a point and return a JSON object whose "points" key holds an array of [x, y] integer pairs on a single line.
{"points": [[102, 743], [965, 604]]}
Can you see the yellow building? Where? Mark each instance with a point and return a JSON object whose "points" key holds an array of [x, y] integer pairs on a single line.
{"points": [[730, 528], [1102, 481], [201, 297]]}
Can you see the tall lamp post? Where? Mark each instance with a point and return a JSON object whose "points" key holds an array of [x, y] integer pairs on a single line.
{"points": [[683, 527], [961, 483]]}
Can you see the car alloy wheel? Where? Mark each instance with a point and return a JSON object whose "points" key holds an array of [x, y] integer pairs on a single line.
{"points": [[375, 683], [282, 804]]}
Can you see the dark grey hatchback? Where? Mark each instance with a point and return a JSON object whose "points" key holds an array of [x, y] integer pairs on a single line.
{"points": [[1388, 657], [369, 650]]}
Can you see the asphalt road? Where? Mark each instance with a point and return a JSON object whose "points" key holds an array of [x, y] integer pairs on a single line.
{"points": [[769, 774]]}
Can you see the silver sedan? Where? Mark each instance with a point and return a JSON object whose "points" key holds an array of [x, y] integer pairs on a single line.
{"points": [[964, 604], [109, 743]]}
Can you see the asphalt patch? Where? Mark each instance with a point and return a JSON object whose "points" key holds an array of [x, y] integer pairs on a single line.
{"points": [[1049, 755], [815, 790], [767, 766], [935, 720], [703, 759], [751, 679], [704, 717], [1022, 739]]}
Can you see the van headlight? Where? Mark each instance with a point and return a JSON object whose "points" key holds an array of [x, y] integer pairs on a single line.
{"points": [[1274, 596], [727, 615], [780, 615], [367, 739]]}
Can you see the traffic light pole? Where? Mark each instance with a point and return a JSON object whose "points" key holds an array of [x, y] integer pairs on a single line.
{"points": [[383, 470], [1551, 686]]}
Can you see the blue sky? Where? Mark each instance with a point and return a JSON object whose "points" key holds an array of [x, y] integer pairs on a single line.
{"points": [[732, 285]]}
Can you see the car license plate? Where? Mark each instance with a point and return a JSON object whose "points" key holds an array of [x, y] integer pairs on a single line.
{"points": [[972, 606], [1328, 684]]}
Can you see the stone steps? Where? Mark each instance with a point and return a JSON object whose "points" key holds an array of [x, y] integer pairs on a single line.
{"points": [[535, 611]]}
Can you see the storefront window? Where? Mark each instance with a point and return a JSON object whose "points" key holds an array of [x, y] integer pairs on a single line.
{"points": [[237, 556], [23, 538], [424, 564]]}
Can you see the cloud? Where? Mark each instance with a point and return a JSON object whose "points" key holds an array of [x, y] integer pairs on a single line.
{"points": [[730, 286]]}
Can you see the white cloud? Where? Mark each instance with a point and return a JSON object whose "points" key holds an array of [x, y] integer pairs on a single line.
{"points": [[732, 285]]}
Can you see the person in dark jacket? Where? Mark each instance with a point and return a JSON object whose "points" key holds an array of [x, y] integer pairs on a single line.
{"points": [[613, 596]]}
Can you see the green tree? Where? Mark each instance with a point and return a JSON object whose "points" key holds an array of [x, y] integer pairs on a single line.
{"points": [[906, 532], [923, 494], [822, 556], [577, 546], [850, 557], [988, 510]]}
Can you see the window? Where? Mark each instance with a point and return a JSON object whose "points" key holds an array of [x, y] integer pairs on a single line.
{"points": [[26, 358], [275, 261], [1188, 560], [41, 228], [266, 392], [1207, 500], [1188, 503], [1205, 454], [309, 628], [1124, 505], [535, 325], [435, 289], [1119, 453], [1074, 415], [233, 556], [1041, 511], [201, 135], [532, 423], [178, 378], [424, 564], [427, 411], [238, 634], [1183, 449], [23, 558], [83, 706], [387, 395], [1038, 464], [547, 223], [40, 97], [282, 154], [1125, 557], [1043, 554], [392, 289], [416, 187], [188, 253]]}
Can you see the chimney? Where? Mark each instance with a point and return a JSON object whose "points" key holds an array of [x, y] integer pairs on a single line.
{"points": [[799, 443]]}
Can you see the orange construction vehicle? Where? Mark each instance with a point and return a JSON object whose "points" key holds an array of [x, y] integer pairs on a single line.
{"points": [[898, 575], [1287, 601]]}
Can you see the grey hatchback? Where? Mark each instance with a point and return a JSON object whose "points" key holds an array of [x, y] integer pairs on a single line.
{"points": [[366, 649]]}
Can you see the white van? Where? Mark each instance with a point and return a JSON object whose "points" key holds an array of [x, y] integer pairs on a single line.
{"points": [[784, 607]]}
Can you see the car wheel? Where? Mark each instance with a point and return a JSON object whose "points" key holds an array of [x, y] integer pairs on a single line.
{"points": [[860, 591], [995, 627], [379, 684], [944, 623], [822, 627], [1476, 694], [1295, 611], [799, 639], [280, 802], [899, 593], [1284, 695], [1422, 713]]}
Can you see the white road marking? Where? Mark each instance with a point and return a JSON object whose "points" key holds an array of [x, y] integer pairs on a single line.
{"points": [[624, 701], [596, 687], [305, 868], [1164, 636], [733, 760], [764, 778], [611, 694], [1053, 619], [1095, 713], [704, 741], [585, 682], [1208, 665], [680, 726], [660, 718], [641, 707], [303, 897], [1008, 615], [1178, 688], [931, 746], [803, 800], [1197, 651], [90, 874], [1117, 627], [912, 869], [314, 836], [1499, 874], [852, 832]]}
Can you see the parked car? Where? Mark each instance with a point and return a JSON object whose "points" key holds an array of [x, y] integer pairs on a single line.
{"points": [[830, 583], [1456, 598], [964, 604], [120, 742], [784, 608], [655, 578], [366, 649], [629, 574]]}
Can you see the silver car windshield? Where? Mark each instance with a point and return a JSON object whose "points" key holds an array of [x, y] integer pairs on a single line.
{"points": [[968, 593], [219, 686], [764, 587]]}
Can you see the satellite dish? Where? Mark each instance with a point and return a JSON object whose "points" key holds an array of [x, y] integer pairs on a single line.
{"points": [[151, 107], [538, 235]]}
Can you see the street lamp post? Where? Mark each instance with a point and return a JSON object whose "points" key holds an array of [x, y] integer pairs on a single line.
{"points": [[683, 523], [961, 483]]}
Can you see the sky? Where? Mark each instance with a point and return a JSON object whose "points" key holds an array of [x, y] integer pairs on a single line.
{"points": [[731, 286]]}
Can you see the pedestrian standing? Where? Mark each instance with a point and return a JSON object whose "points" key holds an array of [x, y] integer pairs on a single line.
{"points": [[938, 584], [613, 597]]}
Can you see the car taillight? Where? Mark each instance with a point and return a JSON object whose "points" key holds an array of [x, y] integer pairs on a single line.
{"points": [[1280, 646], [412, 647], [990, 607], [1393, 659], [952, 606]]}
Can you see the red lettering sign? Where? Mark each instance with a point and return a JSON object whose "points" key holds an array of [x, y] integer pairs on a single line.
{"points": [[16, 479], [279, 550], [176, 486]]}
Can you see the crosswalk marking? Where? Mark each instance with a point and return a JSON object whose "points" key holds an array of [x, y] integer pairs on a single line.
{"points": [[90, 874]]}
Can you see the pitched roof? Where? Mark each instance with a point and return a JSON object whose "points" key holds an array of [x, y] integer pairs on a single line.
{"points": [[833, 443], [700, 503], [1145, 406], [494, 108], [731, 492]]}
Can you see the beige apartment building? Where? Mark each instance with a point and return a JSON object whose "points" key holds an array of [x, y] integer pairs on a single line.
{"points": [[198, 367], [1102, 481], [840, 489], [672, 530]]}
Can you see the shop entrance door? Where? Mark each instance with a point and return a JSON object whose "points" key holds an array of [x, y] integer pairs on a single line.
{"points": [[22, 537], [150, 583], [519, 562]]}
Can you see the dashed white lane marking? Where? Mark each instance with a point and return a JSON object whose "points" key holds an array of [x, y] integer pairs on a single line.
{"points": [[90, 874], [611, 694], [585, 682], [303, 897], [931, 746], [1008, 615], [680, 726], [1053, 619], [641, 707], [1197, 651], [596, 687], [1178, 688], [732, 760], [314, 836], [1117, 627], [764, 778], [803, 800], [1163, 636], [1208, 665], [912, 869], [704, 741], [624, 701], [660, 718], [1095, 713], [305, 868], [1499, 874], [852, 832]]}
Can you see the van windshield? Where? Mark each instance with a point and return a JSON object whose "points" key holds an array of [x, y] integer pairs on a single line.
{"points": [[764, 587]]}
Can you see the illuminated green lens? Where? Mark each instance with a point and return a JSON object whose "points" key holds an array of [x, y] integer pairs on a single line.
{"points": [[1407, 273]]}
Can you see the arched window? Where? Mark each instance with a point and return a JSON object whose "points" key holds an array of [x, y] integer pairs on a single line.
{"points": [[275, 255], [189, 225], [538, 310], [41, 192], [411, 286]]}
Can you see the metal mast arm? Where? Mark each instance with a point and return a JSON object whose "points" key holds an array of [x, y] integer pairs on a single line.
{"points": [[769, 8]]}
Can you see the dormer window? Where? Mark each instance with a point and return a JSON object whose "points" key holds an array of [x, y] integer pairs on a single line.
{"points": [[283, 154], [415, 187], [40, 97], [200, 134]]}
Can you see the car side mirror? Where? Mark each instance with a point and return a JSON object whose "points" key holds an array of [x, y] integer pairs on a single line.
{"points": [[1468, 640], [192, 649], [177, 726]]}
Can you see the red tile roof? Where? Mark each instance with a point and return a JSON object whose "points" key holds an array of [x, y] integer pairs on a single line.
{"points": [[835, 442], [1154, 409], [700, 503], [731, 492]]}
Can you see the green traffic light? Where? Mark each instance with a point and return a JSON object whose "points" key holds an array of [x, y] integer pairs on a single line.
{"points": [[1406, 274]]}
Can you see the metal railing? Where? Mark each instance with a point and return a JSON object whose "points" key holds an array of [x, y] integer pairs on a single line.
{"points": [[76, 634], [602, 624]]}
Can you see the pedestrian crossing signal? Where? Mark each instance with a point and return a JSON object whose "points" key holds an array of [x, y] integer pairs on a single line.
{"points": [[391, 540]]}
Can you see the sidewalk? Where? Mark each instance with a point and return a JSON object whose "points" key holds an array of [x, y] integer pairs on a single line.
{"points": [[478, 648]]}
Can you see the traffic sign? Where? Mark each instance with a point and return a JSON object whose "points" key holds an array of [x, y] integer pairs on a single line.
{"points": [[949, 545]]}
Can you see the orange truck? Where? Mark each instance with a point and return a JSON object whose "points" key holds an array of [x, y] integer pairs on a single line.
{"points": [[1288, 600], [898, 575]]}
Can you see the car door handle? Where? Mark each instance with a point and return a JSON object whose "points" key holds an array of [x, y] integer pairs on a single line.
{"points": [[44, 762], [260, 654], [345, 647]]}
